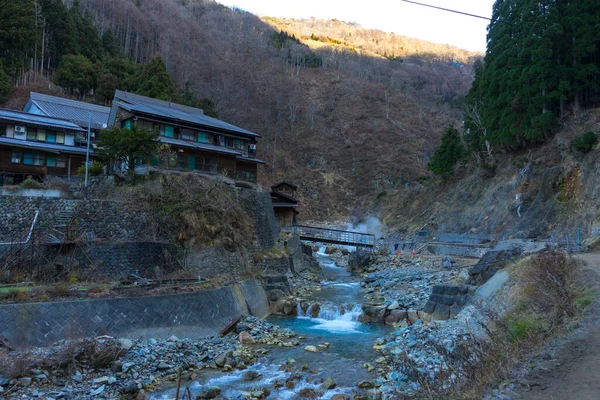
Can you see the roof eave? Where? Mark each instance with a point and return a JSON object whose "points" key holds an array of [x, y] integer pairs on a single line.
{"points": [[127, 106]]}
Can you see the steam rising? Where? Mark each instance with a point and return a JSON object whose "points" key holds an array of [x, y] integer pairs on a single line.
{"points": [[372, 225]]}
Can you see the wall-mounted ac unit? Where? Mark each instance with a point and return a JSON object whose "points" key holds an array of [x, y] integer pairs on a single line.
{"points": [[252, 146], [20, 129]]}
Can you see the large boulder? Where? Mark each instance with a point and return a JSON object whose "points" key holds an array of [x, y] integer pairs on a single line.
{"points": [[395, 316], [275, 294], [331, 250], [209, 392], [328, 384], [245, 338]]}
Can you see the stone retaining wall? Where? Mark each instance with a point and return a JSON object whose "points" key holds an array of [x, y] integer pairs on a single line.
{"points": [[123, 240], [193, 315]]}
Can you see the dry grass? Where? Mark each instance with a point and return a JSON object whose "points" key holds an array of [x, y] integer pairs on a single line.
{"points": [[194, 209], [549, 286]]}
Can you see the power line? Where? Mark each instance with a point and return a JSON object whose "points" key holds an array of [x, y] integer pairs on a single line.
{"points": [[447, 9]]}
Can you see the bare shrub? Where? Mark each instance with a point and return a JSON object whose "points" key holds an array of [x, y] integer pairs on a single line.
{"points": [[91, 353], [14, 367], [550, 287]]}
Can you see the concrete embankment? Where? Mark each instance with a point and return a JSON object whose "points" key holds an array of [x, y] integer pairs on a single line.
{"points": [[457, 249], [192, 315]]}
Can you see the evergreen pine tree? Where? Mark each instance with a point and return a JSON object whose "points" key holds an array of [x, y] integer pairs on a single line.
{"points": [[154, 81]]}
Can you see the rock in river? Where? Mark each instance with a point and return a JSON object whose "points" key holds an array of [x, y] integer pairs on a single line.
{"points": [[312, 349], [209, 392]]}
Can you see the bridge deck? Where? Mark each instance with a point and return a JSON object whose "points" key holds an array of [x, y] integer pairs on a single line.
{"points": [[334, 236]]}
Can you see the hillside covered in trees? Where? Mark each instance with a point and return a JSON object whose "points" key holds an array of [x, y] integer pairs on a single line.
{"points": [[350, 35], [344, 122], [526, 162]]}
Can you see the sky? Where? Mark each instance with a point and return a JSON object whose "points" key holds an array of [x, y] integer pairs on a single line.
{"points": [[389, 15]]}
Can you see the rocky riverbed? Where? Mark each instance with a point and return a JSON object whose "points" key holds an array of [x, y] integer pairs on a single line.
{"points": [[363, 334], [107, 368]]}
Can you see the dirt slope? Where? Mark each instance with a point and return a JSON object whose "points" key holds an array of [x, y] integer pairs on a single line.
{"points": [[570, 369]]}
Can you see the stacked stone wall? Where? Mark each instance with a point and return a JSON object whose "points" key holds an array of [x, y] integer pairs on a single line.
{"points": [[119, 239]]}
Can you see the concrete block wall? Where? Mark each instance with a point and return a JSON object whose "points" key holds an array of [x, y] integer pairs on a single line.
{"points": [[447, 301], [192, 315]]}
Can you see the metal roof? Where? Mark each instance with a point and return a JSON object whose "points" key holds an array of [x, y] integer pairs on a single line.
{"points": [[39, 120], [280, 199], [199, 146], [168, 110], [250, 159], [284, 183], [75, 111], [53, 148]]}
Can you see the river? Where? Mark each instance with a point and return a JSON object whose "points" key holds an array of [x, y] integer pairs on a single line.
{"points": [[350, 345]]}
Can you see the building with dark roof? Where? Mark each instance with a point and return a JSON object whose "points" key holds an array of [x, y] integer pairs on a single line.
{"points": [[37, 145], [199, 143], [77, 112], [285, 205]]}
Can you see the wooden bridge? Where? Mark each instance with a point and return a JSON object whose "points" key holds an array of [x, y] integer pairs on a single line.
{"points": [[333, 236]]}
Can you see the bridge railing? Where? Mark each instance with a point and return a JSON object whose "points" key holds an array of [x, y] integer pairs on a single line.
{"points": [[333, 235]]}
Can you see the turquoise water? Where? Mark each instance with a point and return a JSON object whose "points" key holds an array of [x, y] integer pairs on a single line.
{"points": [[350, 344]]}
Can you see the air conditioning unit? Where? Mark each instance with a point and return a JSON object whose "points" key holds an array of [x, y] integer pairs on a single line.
{"points": [[20, 129], [252, 147]]}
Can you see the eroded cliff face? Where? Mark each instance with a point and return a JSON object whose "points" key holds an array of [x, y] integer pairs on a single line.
{"points": [[548, 192]]}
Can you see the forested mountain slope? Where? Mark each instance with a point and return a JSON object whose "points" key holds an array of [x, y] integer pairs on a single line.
{"points": [[527, 162], [344, 124]]}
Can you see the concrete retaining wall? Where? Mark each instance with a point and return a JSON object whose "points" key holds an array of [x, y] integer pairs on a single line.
{"points": [[457, 250], [192, 315], [469, 238]]}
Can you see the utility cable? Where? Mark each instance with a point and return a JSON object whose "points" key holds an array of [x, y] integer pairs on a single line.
{"points": [[447, 9]]}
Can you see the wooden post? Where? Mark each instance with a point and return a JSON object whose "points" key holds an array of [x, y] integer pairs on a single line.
{"points": [[69, 169]]}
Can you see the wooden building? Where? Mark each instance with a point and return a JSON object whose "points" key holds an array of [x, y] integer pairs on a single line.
{"points": [[37, 145], [285, 205], [77, 112], [199, 143]]}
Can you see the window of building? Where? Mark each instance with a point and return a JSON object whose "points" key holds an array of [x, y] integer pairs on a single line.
{"points": [[51, 161], [28, 158], [239, 144], [172, 159], [61, 162], [228, 142], [210, 164], [127, 124], [180, 161], [2, 130], [60, 138], [16, 156], [203, 137], [38, 159], [51, 137], [246, 176], [167, 130], [31, 134], [142, 123], [199, 163], [41, 135], [187, 134]]}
